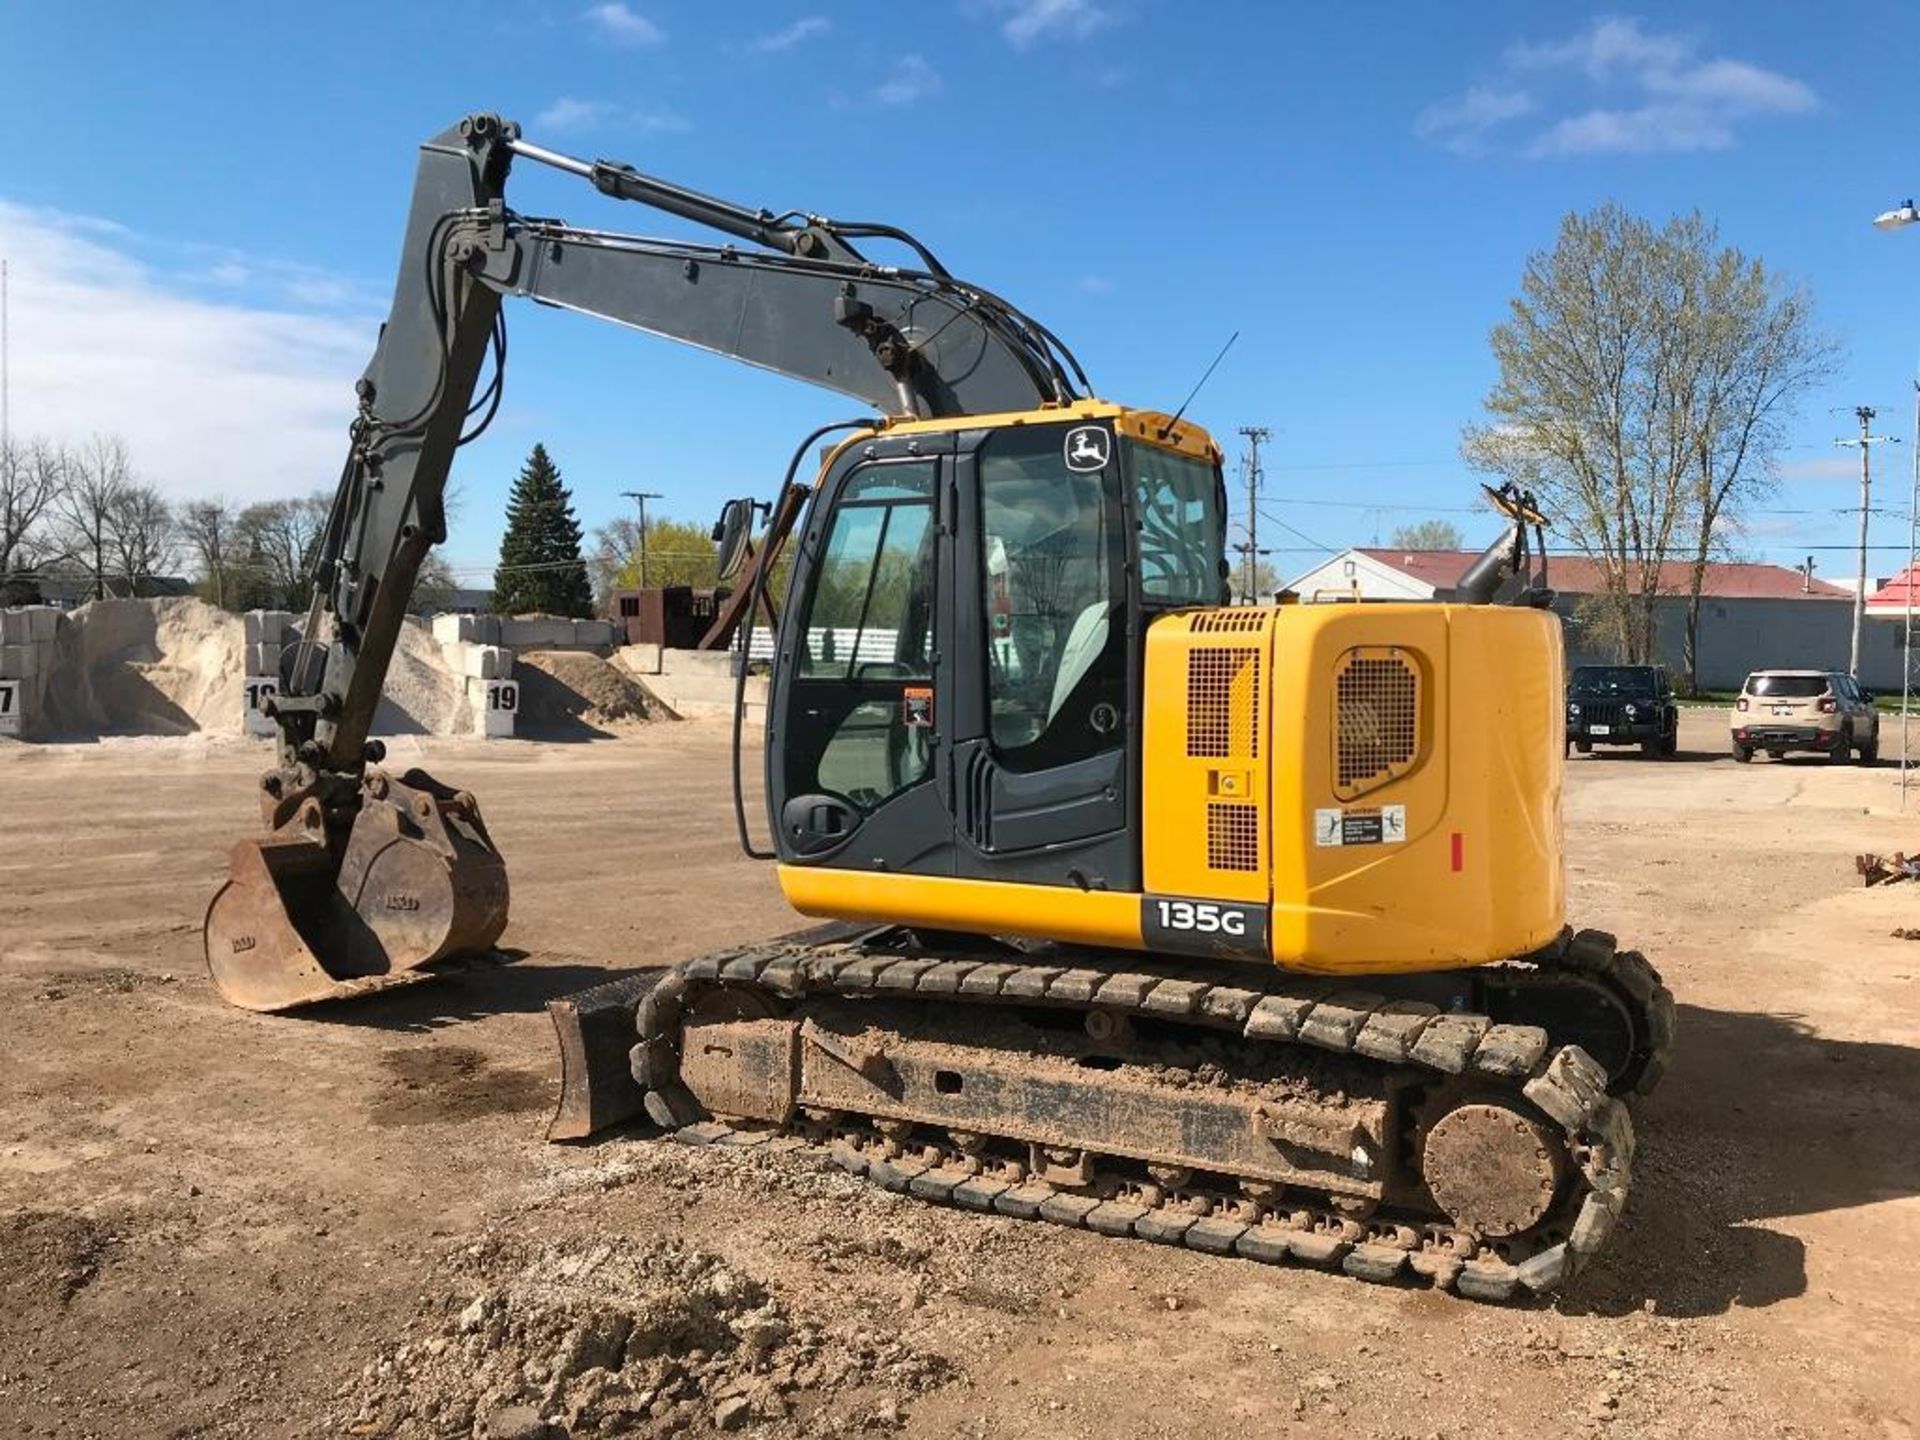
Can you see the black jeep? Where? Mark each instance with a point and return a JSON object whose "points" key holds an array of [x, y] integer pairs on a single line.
{"points": [[1622, 705]]}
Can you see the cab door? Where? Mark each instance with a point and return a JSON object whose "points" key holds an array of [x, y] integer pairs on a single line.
{"points": [[852, 723], [1043, 664]]}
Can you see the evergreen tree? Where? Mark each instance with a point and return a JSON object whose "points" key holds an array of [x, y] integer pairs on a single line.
{"points": [[540, 566]]}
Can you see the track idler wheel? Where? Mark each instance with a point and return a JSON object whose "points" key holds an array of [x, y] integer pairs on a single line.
{"points": [[416, 881]]}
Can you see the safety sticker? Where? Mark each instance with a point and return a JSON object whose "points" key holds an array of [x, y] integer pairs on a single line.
{"points": [[1375, 825]]}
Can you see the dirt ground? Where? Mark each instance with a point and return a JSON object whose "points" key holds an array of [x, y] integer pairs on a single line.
{"points": [[214, 1223]]}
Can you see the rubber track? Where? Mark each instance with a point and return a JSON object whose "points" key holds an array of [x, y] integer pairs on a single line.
{"points": [[1565, 1084]]}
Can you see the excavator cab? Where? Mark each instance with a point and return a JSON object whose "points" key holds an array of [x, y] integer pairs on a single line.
{"points": [[957, 689]]}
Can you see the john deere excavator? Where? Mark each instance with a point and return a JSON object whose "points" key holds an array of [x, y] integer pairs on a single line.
{"points": [[1233, 927]]}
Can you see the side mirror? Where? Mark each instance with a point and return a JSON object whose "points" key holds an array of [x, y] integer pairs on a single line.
{"points": [[730, 534]]}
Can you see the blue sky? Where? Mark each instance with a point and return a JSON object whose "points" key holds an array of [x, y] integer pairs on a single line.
{"points": [[202, 205]]}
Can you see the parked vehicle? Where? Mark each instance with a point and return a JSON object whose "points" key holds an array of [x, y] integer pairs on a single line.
{"points": [[1819, 710], [1622, 705]]}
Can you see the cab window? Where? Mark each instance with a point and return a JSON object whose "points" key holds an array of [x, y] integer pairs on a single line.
{"points": [[1056, 631], [1182, 526], [867, 642]]}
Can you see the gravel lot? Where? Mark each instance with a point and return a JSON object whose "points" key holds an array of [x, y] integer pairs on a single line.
{"points": [[214, 1223]]}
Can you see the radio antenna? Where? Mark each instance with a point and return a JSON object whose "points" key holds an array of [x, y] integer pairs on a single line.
{"points": [[1168, 428]]}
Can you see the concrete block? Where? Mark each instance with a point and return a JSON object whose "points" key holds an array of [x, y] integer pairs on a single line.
{"points": [[16, 627], [263, 658], [256, 692], [495, 704], [264, 627], [534, 632], [640, 659], [486, 662], [593, 634], [44, 620], [19, 662], [15, 695]]}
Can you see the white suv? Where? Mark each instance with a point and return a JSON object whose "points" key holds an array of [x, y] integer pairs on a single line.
{"points": [[1818, 710]]}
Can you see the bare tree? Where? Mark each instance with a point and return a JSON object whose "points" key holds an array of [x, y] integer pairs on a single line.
{"points": [[145, 540], [207, 528], [1643, 374], [97, 474], [275, 542], [32, 476], [1427, 535]]}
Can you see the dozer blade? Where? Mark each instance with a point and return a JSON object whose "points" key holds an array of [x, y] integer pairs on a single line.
{"points": [[416, 882], [597, 1028], [596, 1032]]}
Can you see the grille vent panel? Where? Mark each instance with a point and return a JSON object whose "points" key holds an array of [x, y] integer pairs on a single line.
{"points": [[1246, 620], [1233, 837], [1223, 704], [1376, 720]]}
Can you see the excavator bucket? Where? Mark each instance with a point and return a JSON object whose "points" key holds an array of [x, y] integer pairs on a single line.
{"points": [[417, 881]]}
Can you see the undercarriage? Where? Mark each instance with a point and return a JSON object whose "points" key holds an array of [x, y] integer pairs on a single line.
{"points": [[1467, 1129]]}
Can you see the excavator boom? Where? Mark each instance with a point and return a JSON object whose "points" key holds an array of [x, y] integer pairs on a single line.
{"points": [[365, 878]]}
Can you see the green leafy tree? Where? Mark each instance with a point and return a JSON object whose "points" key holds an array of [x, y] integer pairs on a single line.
{"points": [[1646, 378], [540, 565], [1427, 535]]}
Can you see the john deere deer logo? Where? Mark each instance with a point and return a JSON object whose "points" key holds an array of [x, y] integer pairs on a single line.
{"points": [[1087, 448]]}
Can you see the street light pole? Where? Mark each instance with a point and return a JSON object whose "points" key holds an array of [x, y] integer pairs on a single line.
{"points": [[1899, 218], [640, 497]]}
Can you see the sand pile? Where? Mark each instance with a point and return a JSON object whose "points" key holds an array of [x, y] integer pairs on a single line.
{"points": [[177, 667], [577, 695], [423, 695], [617, 1336], [147, 667]]}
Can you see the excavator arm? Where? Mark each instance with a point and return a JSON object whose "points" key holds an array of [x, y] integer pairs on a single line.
{"points": [[364, 877]]}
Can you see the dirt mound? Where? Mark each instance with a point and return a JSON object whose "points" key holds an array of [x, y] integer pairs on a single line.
{"points": [[616, 1336], [147, 667], [45, 1253], [577, 695]]}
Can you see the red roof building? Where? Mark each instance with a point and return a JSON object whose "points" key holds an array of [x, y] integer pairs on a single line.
{"points": [[1440, 570]]}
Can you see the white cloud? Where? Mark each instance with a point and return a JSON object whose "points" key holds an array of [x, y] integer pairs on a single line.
{"points": [[622, 24], [569, 113], [805, 28], [1462, 124], [246, 391], [1029, 21], [912, 81], [1618, 88]]}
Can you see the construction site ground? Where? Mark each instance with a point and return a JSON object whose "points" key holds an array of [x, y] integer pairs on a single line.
{"points": [[217, 1223]]}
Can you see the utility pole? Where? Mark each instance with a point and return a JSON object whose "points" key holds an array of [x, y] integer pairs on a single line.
{"points": [[1864, 414], [641, 497], [1254, 435], [6, 417]]}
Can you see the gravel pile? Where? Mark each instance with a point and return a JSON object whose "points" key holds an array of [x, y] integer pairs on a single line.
{"points": [[614, 1336]]}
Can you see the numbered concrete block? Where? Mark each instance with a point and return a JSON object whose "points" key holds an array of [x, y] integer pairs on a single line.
{"points": [[13, 702], [495, 703], [259, 689]]}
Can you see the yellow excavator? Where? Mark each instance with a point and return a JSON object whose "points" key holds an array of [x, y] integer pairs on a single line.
{"points": [[1233, 927]]}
